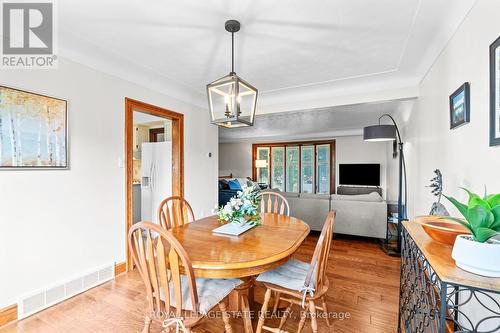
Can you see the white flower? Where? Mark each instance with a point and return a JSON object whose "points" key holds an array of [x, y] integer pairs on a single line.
{"points": [[228, 209]]}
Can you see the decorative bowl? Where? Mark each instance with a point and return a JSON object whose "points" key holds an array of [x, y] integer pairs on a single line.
{"points": [[442, 230]]}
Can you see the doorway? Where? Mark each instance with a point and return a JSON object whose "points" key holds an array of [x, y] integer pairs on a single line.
{"points": [[154, 148]]}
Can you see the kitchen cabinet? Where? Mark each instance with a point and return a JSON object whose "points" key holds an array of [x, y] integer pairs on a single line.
{"points": [[141, 134]]}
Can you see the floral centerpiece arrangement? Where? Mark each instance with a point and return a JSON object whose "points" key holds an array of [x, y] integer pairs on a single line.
{"points": [[242, 208]]}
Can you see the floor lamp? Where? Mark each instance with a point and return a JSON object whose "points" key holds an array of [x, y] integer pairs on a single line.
{"points": [[377, 133]]}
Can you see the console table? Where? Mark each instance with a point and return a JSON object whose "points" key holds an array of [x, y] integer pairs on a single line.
{"points": [[436, 296]]}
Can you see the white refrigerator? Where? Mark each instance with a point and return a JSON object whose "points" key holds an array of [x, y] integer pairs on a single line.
{"points": [[156, 177]]}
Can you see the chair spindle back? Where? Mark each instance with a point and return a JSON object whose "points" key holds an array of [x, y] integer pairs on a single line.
{"points": [[159, 262], [174, 212], [272, 202], [319, 260]]}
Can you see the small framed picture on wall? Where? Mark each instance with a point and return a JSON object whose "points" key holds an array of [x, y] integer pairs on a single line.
{"points": [[460, 106], [495, 93]]}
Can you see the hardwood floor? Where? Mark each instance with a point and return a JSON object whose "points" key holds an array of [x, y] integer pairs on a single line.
{"points": [[364, 283]]}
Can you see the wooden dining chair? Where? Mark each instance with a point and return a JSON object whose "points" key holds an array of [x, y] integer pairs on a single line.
{"points": [[171, 296], [300, 283], [175, 211], [272, 202]]}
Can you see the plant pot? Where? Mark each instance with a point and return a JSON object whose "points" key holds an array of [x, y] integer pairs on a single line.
{"points": [[477, 258]]}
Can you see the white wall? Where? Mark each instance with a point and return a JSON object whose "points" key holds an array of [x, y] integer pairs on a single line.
{"points": [[352, 149], [57, 224], [462, 154], [235, 158]]}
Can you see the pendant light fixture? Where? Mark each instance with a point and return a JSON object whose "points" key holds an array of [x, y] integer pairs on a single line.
{"points": [[231, 99]]}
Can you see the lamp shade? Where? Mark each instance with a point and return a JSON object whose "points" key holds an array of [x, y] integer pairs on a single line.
{"points": [[231, 101], [379, 133], [260, 163]]}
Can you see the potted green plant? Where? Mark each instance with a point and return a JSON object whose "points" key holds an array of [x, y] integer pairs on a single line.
{"points": [[478, 252]]}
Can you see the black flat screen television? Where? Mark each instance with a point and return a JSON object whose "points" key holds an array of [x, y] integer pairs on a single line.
{"points": [[359, 174]]}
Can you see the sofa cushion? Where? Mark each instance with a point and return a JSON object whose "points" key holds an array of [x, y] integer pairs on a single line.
{"points": [[234, 184], [372, 197], [252, 183], [243, 182], [289, 194], [315, 196]]}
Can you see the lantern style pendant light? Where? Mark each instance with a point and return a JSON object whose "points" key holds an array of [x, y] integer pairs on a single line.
{"points": [[231, 99]]}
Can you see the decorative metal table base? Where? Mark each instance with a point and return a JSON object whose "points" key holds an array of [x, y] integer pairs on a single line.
{"points": [[428, 304]]}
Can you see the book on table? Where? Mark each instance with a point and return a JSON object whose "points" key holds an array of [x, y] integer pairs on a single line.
{"points": [[233, 229]]}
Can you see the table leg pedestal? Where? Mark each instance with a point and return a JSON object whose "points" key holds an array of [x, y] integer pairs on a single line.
{"points": [[241, 299]]}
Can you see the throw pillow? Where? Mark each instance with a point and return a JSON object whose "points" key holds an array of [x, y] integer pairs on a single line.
{"points": [[234, 185]]}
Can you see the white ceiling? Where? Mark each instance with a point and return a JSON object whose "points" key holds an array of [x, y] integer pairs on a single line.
{"points": [[300, 54], [317, 124]]}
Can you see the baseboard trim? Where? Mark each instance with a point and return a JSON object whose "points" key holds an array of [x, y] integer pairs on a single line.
{"points": [[8, 314], [120, 268]]}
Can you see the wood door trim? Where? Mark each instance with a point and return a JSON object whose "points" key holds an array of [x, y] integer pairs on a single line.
{"points": [[155, 131], [177, 155]]}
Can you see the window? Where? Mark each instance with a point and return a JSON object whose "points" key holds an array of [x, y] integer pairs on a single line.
{"points": [[292, 169], [323, 169], [263, 166], [305, 167], [278, 168]]}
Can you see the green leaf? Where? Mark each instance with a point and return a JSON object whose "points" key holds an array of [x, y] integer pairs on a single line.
{"points": [[462, 208], [471, 195], [483, 234], [496, 217], [478, 201], [475, 200], [493, 200], [480, 217]]}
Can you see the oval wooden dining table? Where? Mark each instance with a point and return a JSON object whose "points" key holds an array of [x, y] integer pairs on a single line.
{"points": [[260, 249]]}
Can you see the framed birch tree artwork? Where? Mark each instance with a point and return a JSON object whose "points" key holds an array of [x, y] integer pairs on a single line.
{"points": [[33, 130]]}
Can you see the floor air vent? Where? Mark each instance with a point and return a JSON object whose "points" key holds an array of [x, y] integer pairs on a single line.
{"points": [[43, 299]]}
